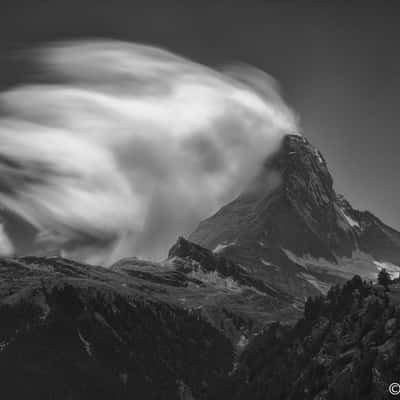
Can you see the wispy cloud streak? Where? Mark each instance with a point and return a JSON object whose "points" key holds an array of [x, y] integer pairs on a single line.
{"points": [[127, 146]]}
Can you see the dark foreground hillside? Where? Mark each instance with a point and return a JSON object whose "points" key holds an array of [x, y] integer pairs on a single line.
{"points": [[347, 346], [71, 331], [76, 332]]}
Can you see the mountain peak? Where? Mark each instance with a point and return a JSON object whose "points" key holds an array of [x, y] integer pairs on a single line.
{"points": [[302, 167], [297, 212], [291, 215]]}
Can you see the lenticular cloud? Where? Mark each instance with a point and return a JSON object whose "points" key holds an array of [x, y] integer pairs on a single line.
{"points": [[128, 146]]}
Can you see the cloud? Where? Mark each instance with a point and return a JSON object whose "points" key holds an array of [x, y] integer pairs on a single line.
{"points": [[6, 247], [128, 146]]}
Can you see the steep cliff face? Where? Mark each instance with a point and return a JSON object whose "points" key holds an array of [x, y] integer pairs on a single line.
{"points": [[345, 347], [73, 331], [320, 228], [292, 230]]}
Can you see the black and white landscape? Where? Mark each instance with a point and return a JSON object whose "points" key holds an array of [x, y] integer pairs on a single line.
{"points": [[172, 229]]}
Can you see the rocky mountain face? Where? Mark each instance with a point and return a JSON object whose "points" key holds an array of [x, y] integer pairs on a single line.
{"points": [[222, 292], [345, 347], [291, 229]]}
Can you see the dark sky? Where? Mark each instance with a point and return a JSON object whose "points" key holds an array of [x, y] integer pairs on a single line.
{"points": [[337, 63]]}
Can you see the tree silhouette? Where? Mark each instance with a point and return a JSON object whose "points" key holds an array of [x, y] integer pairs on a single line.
{"points": [[384, 277]]}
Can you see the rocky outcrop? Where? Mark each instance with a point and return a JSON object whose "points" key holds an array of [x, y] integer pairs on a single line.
{"points": [[224, 293], [196, 257]]}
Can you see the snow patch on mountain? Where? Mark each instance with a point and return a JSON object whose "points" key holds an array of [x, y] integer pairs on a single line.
{"points": [[222, 246], [350, 220], [86, 344], [321, 286], [392, 269], [300, 260], [318, 156], [359, 263], [243, 267], [268, 264], [215, 279]]}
